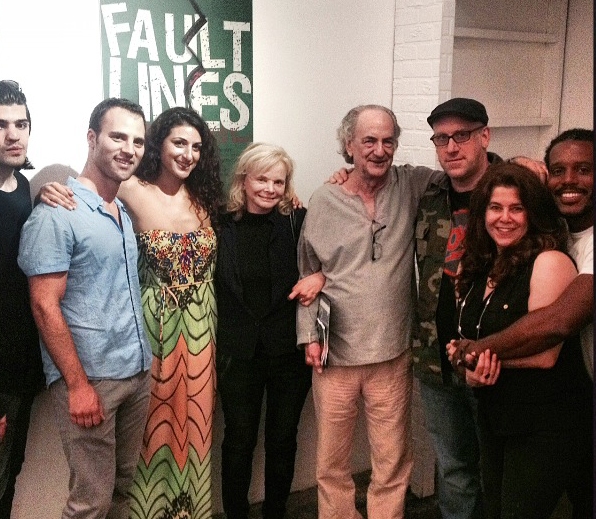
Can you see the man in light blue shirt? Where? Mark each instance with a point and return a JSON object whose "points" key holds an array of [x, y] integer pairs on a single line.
{"points": [[85, 297], [101, 303]]}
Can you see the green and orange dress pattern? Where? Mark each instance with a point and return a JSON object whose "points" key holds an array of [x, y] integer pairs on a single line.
{"points": [[173, 478]]}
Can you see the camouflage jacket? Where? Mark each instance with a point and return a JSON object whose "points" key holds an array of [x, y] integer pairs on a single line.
{"points": [[433, 225]]}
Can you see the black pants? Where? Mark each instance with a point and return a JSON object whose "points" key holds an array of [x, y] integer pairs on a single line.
{"points": [[12, 449], [525, 475], [241, 386]]}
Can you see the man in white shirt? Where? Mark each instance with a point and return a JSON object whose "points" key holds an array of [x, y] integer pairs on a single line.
{"points": [[570, 162]]}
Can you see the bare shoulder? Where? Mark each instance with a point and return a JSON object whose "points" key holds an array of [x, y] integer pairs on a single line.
{"points": [[131, 188], [553, 261], [553, 272], [139, 199]]}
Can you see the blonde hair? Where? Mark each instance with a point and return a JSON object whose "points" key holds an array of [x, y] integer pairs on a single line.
{"points": [[260, 157]]}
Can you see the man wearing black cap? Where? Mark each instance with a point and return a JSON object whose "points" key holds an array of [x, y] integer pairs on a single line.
{"points": [[461, 137]]}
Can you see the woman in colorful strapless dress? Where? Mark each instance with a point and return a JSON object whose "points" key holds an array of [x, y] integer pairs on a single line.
{"points": [[173, 201]]}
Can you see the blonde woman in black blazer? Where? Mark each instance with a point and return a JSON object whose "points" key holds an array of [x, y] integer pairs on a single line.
{"points": [[256, 336]]}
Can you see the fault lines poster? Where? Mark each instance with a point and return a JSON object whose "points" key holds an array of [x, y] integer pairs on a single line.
{"points": [[195, 53]]}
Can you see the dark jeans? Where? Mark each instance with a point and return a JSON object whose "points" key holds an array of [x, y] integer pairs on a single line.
{"points": [[12, 450], [241, 385], [450, 414]]}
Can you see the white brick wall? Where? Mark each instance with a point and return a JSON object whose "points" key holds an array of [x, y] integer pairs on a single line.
{"points": [[422, 72]]}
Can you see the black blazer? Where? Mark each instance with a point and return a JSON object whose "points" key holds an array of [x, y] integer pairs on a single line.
{"points": [[238, 329]]}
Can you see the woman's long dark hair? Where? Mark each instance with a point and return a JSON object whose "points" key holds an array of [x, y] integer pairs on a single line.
{"points": [[546, 228], [204, 183]]}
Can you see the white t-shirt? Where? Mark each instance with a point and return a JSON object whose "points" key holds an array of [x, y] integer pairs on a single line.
{"points": [[582, 250]]}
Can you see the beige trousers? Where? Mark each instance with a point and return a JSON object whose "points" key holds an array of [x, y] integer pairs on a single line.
{"points": [[386, 390]]}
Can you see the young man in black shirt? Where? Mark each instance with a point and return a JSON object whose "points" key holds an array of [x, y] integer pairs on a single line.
{"points": [[21, 375]]}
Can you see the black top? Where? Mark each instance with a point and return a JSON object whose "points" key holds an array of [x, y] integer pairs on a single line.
{"points": [[524, 399], [256, 270], [446, 307], [20, 358], [254, 234]]}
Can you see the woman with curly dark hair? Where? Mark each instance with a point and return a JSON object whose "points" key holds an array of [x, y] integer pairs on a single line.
{"points": [[546, 228], [173, 200], [203, 183], [529, 409]]}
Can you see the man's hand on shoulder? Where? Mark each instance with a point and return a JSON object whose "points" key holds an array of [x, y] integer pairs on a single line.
{"points": [[339, 177], [296, 202], [535, 166], [55, 194]]}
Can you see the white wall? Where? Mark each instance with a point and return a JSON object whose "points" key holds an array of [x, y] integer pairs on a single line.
{"points": [[577, 105], [313, 61], [52, 49]]}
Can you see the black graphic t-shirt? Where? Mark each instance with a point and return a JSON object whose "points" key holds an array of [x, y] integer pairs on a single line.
{"points": [[446, 310]]}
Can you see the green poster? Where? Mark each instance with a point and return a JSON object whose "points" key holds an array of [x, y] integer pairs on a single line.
{"points": [[196, 53]]}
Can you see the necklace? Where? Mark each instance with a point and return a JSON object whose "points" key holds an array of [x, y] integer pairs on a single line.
{"points": [[461, 309]]}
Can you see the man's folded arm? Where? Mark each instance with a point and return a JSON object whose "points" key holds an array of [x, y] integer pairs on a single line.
{"points": [[541, 329]]}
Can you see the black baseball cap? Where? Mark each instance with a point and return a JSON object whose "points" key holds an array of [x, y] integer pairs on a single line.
{"points": [[463, 107]]}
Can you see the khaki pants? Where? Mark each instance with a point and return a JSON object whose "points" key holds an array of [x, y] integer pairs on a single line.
{"points": [[386, 390], [103, 459]]}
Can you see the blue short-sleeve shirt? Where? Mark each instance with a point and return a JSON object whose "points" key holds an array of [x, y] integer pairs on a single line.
{"points": [[102, 303]]}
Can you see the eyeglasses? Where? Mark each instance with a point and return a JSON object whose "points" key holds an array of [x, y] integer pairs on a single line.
{"points": [[377, 248], [10, 84], [458, 137]]}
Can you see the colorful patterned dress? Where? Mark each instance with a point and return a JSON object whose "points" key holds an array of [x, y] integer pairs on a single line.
{"points": [[173, 478]]}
